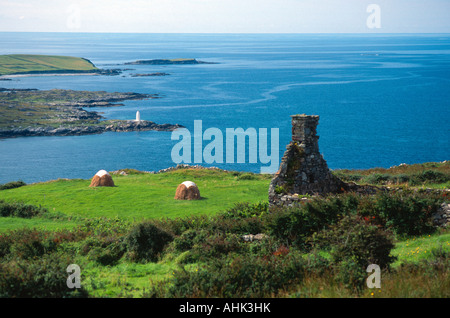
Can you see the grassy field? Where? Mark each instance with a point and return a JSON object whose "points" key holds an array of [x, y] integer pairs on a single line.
{"points": [[100, 223], [416, 249], [140, 196], [26, 63]]}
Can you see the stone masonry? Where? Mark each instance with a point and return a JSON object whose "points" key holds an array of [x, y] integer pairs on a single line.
{"points": [[303, 169]]}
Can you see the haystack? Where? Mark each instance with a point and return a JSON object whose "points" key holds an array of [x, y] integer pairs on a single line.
{"points": [[187, 190], [102, 179]]}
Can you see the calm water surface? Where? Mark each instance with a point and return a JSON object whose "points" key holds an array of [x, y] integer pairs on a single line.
{"points": [[382, 99]]}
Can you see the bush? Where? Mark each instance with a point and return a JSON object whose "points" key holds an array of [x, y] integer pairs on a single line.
{"points": [[20, 210], [402, 178], [12, 185], [216, 246], [354, 244], [27, 243], [178, 226], [105, 251], [186, 241], [407, 214], [378, 178], [280, 190], [350, 273], [5, 245], [220, 224], [43, 277], [242, 277], [294, 225], [30, 243], [244, 210], [355, 240], [145, 242], [246, 176], [429, 176]]}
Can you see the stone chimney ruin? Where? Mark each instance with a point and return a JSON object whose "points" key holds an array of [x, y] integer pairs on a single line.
{"points": [[303, 169]]}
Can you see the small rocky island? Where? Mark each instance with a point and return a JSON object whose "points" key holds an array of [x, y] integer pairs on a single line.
{"points": [[59, 112], [168, 62], [149, 74]]}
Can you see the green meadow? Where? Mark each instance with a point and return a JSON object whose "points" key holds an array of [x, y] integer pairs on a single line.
{"points": [[139, 196], [136, 240], [28, 63]]}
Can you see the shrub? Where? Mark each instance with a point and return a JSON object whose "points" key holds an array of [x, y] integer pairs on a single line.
{"points": [[378, 178], [407, 214], [242, 277], [315, 263], [353, 240], [29, 243], [429, 176], [218, 245], [179, 225], [20, 210], [12, 185], [43, 277], [219, 224], [105, 251], [5, 245], [354, 244], [280, 190], [146, 241], [350, 273], [246, 176], [186, 241], [294, 225], [402, 178], [244, 210]]}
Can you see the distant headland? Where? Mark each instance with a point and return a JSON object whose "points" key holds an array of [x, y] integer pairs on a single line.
{"points": [[60, 112], [21, 64], [17, 65]]}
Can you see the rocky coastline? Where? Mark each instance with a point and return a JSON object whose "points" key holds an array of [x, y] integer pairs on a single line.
{"points": [[106, 126], [150, 74], [32, 112]]}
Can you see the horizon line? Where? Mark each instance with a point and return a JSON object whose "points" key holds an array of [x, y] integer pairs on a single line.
{"points": [[252, 33]]}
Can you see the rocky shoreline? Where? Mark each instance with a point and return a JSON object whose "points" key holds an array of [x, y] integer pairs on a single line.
{"points": [[32, 112], [110, 125], [106, 72]]}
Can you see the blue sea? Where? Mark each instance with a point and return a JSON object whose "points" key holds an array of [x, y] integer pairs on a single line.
{"points": [[383, 100]]}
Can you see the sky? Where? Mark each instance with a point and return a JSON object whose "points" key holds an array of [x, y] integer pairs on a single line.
{"points": [[226, 16]]}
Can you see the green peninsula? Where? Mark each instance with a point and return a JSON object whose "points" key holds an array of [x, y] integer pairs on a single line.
{"points": [[17, 64]]}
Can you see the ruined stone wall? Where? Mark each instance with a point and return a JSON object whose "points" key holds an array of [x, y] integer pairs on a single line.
{"points": [[303, 169]]}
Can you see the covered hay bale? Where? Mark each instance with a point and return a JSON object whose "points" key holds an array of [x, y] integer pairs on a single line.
{"points": [[102, 179], [187, 190]]}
